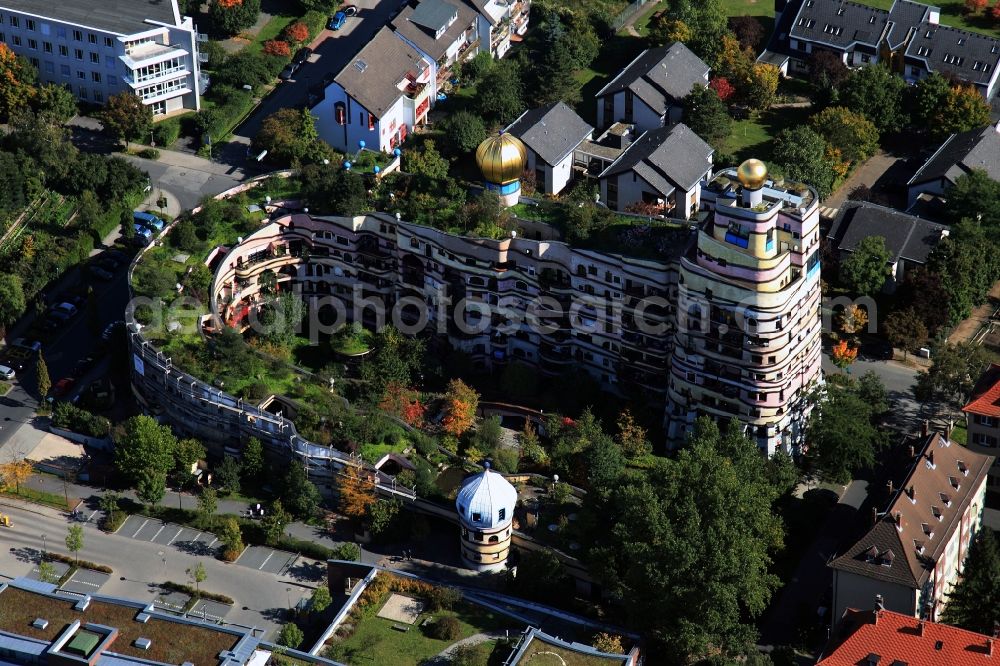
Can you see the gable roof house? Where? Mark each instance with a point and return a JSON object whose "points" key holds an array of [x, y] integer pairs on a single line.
{"points": [[910, 240], [649, 93], [908, 38], [914, 551], [958, 155], [551, 134], [500, 23], [379, 95], [982, 420], [664, 167], [443, 32]]}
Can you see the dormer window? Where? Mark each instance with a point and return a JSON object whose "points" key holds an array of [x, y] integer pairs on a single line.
{"points": [[887, 558], [872, 19], [954, 482], [840, 11], [477, 517], [927, 530], [937, 513], [946, 499], [871, 554], [919, 545], [963, 468], [961, 40]]}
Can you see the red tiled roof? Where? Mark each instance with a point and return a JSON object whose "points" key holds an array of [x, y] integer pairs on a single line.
{"points": [[986, 400], [898, 638]]}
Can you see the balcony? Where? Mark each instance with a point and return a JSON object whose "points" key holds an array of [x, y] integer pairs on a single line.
{"points": [[151, 53]]}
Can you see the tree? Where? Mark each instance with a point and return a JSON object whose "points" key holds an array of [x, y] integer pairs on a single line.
{"points": [[426, 162], [464, 131], [274, 522], [905, 330], [865, 271], [12, 301], [232, 539], [403, 403], [395, 358], [974, 196], [460, 404], [278, 48], [632, 436], [356, 492], [963, 109], [828, 69], [722, 87], [853, 319], [143, 444], [381, 516], [842, 439], [953, 374], [252, 461], [47, 572], [17, 82], [843, 355], [748, 31], [126, 117], [56, 101], [968, 264], [735, 63], [183, 235], [74, 540], [127, 226], [320, 599], [229, 17], [975, 6], [334, 191], [14, 473], [922, 290], [876, 93], [290, 636], [296, 33], [706, 115], [762, 86], [851, 133], [974, 602], [42, 380], [801, 153], [707, 24], [610, 643], [228, 475], [926, 99], [151, 486], [208, 503], [500, 96], [189, 451], [299, 492], [289, 137], [197, 574], [469, 655]]}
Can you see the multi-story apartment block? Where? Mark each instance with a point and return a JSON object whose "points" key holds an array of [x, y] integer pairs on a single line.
{"points": [[748, 310], [99, 49], [377, 97], [502, 21], [443, 31], [915, 550], [982, 420]]}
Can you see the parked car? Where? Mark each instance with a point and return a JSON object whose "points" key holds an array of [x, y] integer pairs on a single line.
{"points": [[66, 307], [301, 56], [62, 387], [337, 21], [110, 329], [7, 373], [147, 220], [99, 272], [143, 236], [288, 72]]}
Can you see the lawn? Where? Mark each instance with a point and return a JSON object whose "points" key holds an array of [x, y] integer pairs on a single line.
{"points": [[541, 653], [748, 8], [37, 497], [376, 642], [753, 136], [271, 30]]}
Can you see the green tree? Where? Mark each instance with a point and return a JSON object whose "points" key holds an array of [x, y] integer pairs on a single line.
{"points": [[184, 236], [56, 101], [332, 190], [231, 538], [126, 117], [229, 17], [762, 86], [274, 522], [299, 492], [12, 301], [555, 66], [127, 226], [228, 475], [707, 116], [706, 22], [208, 503], [953, 373], [842, 438], [968, 264], [801, 153], [974, 196], [17, 82], [74, 540], [188, 452], [47, 572], [143, 444], [500, 96], [464, 131], [290, 636], [964, 109], [926, 99], [876, 93], [382, 515], [197, 574], [865, 271], [320, 599], [252, 462], [42, 380], [395, 359], [974, 602], [290, 138], [905, 330], [426, 162], [851, 133], [151, 486]]}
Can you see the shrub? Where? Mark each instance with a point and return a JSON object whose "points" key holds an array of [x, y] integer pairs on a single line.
{"points": [[166, 132], [446, 628], [82, 564], [349, 552], [290, 636], [296, 33], [68, 416], [443, 598], [277, 47], [149, 153], [315, 21], [192, 591]]}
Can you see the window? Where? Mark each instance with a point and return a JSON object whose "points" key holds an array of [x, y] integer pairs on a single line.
{"points": [[865, 58], [502, 514], [50, 67], [477, 518], [83, 93], [47, 47], [82, 75], [371, 121], [61, 32], [340, 113], [988, 421], [29, 24], [92, 38], [98, 96], [16, 39], [63, 51], [95, 77], [34, 62], [77, 36], [984, 440], [33, 44], [94, 58], [110, 43], [15, 21], [64, 70], [78, 54]]}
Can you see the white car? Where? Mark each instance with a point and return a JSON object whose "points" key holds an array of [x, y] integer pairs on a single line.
{"points": [[6, 373]]}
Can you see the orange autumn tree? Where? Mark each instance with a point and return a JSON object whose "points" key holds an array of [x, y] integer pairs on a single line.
{"points": [[13, 474], [17, 78], [276, 47], [460, 404], [296, 33], [843, 354], [403, 403], [357, 493]]}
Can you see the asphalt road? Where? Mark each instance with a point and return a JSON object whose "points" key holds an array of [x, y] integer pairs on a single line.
{"points": [[188, 178]]}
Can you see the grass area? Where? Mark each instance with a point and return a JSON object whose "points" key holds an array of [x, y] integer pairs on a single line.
{"points": [[376, 642], [541, 653], [754, 136], [352, 344], [960, 433], [748, 8], [641, 24], [5, 388], [271, 30], [37, 497]]}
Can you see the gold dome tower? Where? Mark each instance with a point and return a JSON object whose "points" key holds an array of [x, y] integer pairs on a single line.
{"points": [[752, 174], [501, 159]]}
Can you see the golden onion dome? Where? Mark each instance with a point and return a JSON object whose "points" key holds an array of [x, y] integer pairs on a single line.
{"points": [[752, 174], [501, 158]]}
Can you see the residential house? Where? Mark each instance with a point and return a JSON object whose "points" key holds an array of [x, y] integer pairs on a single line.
{"points": [[649, 93], [443, 32], [501, 22], [100, 49], [881, 637], [551, 134], [914, 551], [982, 420], [908, 38], [378, 97], [910, 240], [664, 167], [958, 155]]}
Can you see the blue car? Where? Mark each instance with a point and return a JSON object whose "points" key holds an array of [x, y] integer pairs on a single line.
{"points": [[337, 21], [148, 220]]}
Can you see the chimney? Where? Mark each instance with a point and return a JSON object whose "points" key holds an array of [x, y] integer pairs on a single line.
{"points": [[879, 604], [899, 520], [930, 459], [933, 15], [874, 516], [920, 628], [912, 494], [913, 451], [924, 428], [989, 647], [888, 486]]}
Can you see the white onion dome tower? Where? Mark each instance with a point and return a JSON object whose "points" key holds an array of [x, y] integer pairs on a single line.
{"points": [[501, 159], [485, 505]]}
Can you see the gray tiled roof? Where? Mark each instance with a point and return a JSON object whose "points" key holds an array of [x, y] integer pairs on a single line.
{"points": [[552, 131], [667, 158], [967, 55], [960, 154], [124, 17], [839, 23], [906, 237], [903, 17], [372, 76], [405, 26], [660, 76], [434, 15]]}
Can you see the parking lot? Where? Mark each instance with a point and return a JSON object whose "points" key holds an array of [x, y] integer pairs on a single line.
{"points": [[187, 539], [85, 581], [267, 559]]}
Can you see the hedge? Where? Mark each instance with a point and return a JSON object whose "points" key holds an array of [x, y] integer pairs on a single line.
{"points": [[194, 592], [166, 132], [315, 21], [219, 121], [82, 564], [68, 416]]}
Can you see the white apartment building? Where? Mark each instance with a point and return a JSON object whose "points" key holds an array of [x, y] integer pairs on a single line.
{"points": [[99, 48]]}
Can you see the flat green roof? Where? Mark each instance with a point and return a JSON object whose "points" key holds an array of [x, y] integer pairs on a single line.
{"points": [[83, 643]]}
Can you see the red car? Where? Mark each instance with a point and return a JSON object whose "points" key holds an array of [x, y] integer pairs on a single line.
{"points": [[63, 386]]}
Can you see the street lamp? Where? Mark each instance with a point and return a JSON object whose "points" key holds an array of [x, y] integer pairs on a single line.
{"points": [[43, 545], [288, 598]]}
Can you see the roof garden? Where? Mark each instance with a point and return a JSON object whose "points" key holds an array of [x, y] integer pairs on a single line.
{"points": [[171, 641], [543, 649]]}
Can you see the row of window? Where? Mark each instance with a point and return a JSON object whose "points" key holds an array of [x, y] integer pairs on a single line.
{"points": [[47, 47], [61, 32]]}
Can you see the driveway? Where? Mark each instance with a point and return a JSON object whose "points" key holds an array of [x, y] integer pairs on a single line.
{"points": [[868, 174]]}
